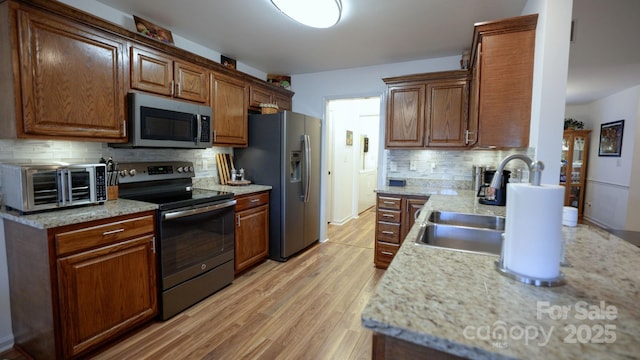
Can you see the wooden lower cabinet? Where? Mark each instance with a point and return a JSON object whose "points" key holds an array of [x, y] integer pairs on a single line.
{"points": [[395, 215], [76, 287], [387, 347], [252, 230]]}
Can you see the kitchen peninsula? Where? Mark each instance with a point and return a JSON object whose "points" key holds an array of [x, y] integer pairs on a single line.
{"points": [[443, 303]]}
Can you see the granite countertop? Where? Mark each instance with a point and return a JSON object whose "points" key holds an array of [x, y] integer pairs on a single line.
{"points": [[212, 184], [458, 303], [52, 219]]}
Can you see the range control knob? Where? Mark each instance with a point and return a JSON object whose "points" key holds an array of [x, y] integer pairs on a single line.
{"points": [[123, 173], [132, 172], [180, 169], [190, 168]]}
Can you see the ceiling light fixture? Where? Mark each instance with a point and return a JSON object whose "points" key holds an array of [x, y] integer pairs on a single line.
{"points": [[315, 13]]}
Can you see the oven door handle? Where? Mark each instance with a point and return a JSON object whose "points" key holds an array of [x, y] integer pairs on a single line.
{"points": [[182, 213]]}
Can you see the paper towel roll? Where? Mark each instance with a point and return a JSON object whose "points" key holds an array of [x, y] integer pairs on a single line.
{"points": [[533, 231]]}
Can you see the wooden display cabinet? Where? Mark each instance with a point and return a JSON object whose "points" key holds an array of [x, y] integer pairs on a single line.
{"points": [[573, 172]]}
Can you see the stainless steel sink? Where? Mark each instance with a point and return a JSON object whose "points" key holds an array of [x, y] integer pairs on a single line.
{"points": [[463, 232], [469, 220], [461, 238]]}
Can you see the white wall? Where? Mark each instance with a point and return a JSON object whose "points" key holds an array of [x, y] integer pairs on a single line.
{"points": [[610, 192], [549, 82]]}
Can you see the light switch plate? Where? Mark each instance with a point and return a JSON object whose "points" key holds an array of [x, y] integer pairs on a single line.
{"points": [[413, 165]]}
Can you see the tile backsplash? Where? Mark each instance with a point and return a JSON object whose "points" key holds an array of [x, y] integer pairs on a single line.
{"points": [[47, 151], [451, 167]]}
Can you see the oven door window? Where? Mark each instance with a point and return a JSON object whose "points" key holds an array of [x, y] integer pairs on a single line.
{"points": [[194, 244], [45, 187], [158, 124], [80, 185]]}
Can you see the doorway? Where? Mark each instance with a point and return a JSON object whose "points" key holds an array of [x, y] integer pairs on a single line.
{"points": [[352, 133]]}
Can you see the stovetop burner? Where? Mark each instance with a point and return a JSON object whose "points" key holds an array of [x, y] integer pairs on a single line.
{"points": [[167, 184]]}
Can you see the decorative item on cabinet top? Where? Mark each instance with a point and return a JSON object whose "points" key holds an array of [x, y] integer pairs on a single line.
{"points": [[153, 31]]}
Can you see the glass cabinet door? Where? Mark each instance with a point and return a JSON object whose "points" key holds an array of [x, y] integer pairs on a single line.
{"points": [[573, 170]]}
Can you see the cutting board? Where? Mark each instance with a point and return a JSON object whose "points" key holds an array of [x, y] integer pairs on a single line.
{"points": [[225, 165]]}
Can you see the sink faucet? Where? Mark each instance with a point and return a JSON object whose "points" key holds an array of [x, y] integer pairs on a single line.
{"points": [[535, 171]]}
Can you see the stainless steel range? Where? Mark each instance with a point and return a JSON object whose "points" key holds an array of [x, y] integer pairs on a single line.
{"points": [[195, 231]]}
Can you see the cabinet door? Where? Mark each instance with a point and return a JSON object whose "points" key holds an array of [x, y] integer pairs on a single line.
{"points": [[151, 71], [192, 82], [105, 292], [259, 95], [72, 79], [405, 116], [230, 114], [411, 207], [284, 102], [506, 80], [447, 113], [252, 236], [474, 98]]}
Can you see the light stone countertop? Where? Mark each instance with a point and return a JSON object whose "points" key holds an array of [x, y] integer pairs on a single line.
{"points": [[458, 303], [52, 219], [212, 184], [112, 208]]}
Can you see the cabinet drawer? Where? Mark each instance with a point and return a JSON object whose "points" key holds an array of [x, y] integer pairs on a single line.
{"points": [[90, 237], [385, 202], [253, 200], [388, 216], [388, 232], [384, 254]]}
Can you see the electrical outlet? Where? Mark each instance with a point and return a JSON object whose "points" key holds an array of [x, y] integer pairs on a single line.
{"points": [[413, 165], [204, 164], [393, 166]]}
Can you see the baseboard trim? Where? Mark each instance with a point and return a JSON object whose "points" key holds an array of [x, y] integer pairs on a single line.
{"points": [[6, 343]]}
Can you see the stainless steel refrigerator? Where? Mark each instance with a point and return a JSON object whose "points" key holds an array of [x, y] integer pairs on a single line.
{"points": [[284, 152]]}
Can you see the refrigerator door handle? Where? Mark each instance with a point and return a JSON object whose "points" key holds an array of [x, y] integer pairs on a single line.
{"points": [[307, 166]]}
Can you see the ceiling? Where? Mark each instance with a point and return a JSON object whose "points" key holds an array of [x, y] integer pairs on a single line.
{"points": [[374, 32]]}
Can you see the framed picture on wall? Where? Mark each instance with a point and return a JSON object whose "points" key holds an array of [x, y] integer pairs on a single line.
{"points": [[611, 138]]}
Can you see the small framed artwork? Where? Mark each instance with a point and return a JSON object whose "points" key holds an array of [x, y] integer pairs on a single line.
{"points": [[349, 138], [153, 31], [228, 62], [611, 138]]}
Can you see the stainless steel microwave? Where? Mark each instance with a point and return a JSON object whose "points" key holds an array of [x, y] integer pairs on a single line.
{"points": [[159, 122], [31, 188]]}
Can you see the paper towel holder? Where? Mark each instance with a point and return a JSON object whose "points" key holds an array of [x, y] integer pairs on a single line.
{"points": [[557, 281]]}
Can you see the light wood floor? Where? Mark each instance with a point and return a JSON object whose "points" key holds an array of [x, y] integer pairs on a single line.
{"points": [[306, 308]]}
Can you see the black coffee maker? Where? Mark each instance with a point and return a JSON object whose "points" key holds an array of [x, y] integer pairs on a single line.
{"points": [[500, 198]]}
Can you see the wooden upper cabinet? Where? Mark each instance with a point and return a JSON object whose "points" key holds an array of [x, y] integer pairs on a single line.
{"points": [[405, 116], [503, 59], [69, 79], [284, 102], [427, 110], [260, 95], [230, 111], [155, 72], [447, 113]]}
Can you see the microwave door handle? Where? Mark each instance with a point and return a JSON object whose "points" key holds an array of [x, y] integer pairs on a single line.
{"points": [[199, 128]]}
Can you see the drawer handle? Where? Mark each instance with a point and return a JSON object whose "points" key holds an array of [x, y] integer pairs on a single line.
{"points": [[386, 253], [390, 202], [111, 232], [388, 232], [255, 200], [387, 215]]}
